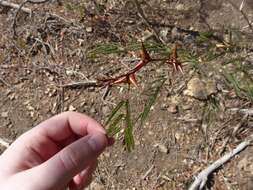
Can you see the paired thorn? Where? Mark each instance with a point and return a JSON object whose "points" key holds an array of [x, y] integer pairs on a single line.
{"points": [[129, 78], [173, 60]]}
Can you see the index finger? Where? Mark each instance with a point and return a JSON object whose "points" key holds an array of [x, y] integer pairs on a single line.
{"points": [[67, 124]]}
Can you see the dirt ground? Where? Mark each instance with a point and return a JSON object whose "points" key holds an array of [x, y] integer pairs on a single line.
{"points": [[197, 117]]}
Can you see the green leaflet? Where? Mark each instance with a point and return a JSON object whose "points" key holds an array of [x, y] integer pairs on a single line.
{"points": [[128, 136]]}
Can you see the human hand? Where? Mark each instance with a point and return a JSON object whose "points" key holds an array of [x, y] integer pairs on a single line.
{"points": [[60, 152]]}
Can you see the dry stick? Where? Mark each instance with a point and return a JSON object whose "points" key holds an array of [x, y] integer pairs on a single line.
{"points": [[84, 84], [243, 111], [144, 18], [15, 6], [4, 82], [202, 178]]}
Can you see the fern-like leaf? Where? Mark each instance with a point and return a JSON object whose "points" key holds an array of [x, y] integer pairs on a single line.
{"points": [[128, 136]]}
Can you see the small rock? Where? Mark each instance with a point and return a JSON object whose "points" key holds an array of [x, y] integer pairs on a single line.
{"points": [[173, 108], [199, 89], [72, 108], [89, 29], [151, 133], [164, 33], [175, 34], [180, 7], [70, 72], [107, 154], [4, 114], [162, 148], [146, 35], [177, 136], [93, 110], [51, 78], [105, 110]]}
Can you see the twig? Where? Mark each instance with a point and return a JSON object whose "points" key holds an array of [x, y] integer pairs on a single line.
{"points": [[4, 143], [144, 18], [129, 77], [4, 82], [15, 6], [84, 84], [202, 178], [148, 172], [243, 111]]}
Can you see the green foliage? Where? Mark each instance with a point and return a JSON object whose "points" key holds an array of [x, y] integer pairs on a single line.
{"points": [[128, 135], [150, 102], [188, 57], [250, 92], [105, 49], [234, 83], [204, 36], [114, 111], [113, 127], [115, 48]]}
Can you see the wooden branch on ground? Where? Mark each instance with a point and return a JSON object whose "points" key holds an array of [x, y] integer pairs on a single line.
{"points": [[243, 111], [15, 6], [202, 178]]}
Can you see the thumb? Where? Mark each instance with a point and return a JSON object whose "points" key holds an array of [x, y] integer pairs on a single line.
{"points": [[59, 170]]}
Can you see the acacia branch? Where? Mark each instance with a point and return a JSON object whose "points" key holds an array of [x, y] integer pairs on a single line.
{"points": [[129, 77]]}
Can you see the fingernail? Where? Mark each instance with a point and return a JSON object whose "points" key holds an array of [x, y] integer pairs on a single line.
{"points": [[98, 142]]}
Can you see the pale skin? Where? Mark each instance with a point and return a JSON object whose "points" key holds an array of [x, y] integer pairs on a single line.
{"points": [[59, 153]]}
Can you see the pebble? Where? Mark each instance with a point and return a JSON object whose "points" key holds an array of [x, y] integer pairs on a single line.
{"points": [[175, 34], [89, 29], [199, 89], [4, 114], [173, 108], [162, 148], [72, 108], [180, 7]]}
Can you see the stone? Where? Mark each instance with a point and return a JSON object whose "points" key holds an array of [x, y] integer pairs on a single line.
{"points": [[175, 34], [89, 29], [200, 89], [180, 7], [162, 148], [173, 108], [72, 108], [4, 114]]}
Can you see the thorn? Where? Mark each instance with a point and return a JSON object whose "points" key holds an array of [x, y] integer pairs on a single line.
{"points": [[180, 69], [145, 57], [132, 80]]}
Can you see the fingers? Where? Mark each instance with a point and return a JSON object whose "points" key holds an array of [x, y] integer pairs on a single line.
{"points": [[45, 140], [84, 178], [63, 126], [71, 160]]}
